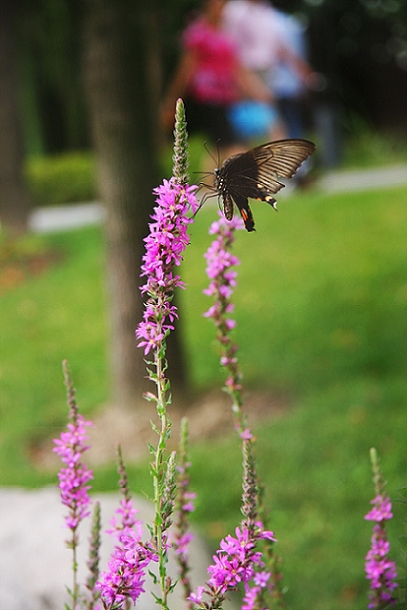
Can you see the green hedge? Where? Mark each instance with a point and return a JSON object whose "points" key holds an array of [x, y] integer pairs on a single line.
{"points": [[71, 177], [63, 178]]}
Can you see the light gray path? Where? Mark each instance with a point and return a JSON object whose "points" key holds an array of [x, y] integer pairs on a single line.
{"points": [[35, 565], [60, 218], [66, 217], [359, 180]]}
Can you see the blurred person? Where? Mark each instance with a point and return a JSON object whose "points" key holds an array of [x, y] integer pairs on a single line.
{"points": [[289, 88], [210, 78], [261, 44]]}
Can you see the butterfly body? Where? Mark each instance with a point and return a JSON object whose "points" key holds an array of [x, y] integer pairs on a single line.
{"points": [[255, 175]]}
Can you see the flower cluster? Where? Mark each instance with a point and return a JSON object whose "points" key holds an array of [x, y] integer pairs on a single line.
{"points": [[74, 478], [222, 278], [126, 574], [379, 569], [125, 520], [219, 263], [165, 245], [127, 567], [254, 595], [237, 561]]}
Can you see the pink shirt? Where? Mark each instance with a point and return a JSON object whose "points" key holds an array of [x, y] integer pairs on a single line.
{"points": [[215, 77]]}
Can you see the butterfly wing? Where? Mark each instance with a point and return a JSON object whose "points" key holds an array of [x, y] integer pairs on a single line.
{"points": [[256, 173], [232, 183], [243, 206]]}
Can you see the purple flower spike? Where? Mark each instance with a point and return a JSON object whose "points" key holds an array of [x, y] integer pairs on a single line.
{"points": [[222, 278], [126, 574], [380, 570], [74, 478], [237, 561], [165, 245]]}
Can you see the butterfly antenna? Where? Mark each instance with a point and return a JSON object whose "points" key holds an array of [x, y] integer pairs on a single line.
{"points": [[211, 155], [204, 174], [218, 151]]}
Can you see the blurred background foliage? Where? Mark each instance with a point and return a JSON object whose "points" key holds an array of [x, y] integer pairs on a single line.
{"points": [[360, 47]]}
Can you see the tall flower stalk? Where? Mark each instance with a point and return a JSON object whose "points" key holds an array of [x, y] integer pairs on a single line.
{"points": [[222, 281], [380, 570], [184, 507], [74, 477], [167, 240], [237, 561], [262, 580], [94, 558]]}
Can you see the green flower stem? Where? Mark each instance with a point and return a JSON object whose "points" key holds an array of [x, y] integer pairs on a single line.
{"points": [[159, 473]]}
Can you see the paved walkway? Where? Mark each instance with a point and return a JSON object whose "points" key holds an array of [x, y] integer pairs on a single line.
{"points": [[81, 214], [59, 218], [361, 180], [35, 564]]}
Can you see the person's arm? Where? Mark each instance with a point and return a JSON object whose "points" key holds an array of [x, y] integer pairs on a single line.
{"points": [[252, 86], [309, 77]]}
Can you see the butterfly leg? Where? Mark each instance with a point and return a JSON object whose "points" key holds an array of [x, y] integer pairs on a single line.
{"points": [[205, 197]]}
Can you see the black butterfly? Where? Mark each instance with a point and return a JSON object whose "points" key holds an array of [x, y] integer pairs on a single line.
{"points": [[255, 174]]}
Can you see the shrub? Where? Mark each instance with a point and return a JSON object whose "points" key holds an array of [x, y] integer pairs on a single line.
{"points": [[63, 178]]}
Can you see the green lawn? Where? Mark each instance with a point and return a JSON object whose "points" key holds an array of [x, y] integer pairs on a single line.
{"points": [[321, 308]]}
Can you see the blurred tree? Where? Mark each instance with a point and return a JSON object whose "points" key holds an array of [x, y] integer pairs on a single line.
{"points": [[122, 84], [50, 51], [361, 47], [15, 202]]}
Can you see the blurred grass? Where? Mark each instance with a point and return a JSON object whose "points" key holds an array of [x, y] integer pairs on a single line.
{"points": [[322, 289], [321, 309], [56, 315]]}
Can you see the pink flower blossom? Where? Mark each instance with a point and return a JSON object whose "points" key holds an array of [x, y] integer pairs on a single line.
{"points": [[74, 478], [381, 510], [380, 570], [165, 245], [237, 561], [127, 568], [222, 278]]}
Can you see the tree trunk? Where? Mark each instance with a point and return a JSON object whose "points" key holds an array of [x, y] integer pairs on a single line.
{"points": [[123, 105], [15, 203]]}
